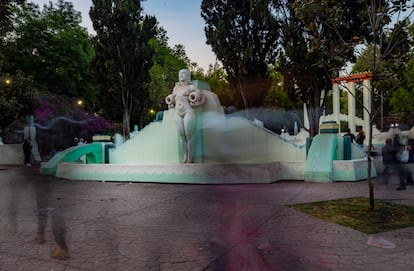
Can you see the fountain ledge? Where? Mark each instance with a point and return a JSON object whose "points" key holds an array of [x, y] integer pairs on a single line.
{"points": [[197, 173]]}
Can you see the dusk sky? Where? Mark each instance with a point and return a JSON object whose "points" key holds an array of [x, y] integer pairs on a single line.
{"points": [[180, 18]]}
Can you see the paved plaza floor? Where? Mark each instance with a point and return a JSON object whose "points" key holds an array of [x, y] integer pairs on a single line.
{"points": [[174, 227]]}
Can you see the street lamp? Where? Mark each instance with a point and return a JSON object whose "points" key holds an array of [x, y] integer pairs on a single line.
{"points": [[7, 81], [80, 102]]}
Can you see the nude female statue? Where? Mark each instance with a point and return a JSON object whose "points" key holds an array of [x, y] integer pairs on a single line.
{"points": [[184, 96]]}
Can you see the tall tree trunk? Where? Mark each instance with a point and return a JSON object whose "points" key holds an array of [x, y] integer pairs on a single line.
{"points": [[370, 184], [242, 95], [313, 117], [126, 124]]}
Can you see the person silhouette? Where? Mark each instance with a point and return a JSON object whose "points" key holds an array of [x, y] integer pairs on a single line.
{"points": [[351, 135], [27, 150], [43, 189], [360, 137]]}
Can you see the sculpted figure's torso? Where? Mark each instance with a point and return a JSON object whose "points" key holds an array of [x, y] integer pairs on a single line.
{"points": [[182, 103]]}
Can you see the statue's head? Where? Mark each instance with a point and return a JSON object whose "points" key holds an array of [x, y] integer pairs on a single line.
{"points": [[184, 75]]}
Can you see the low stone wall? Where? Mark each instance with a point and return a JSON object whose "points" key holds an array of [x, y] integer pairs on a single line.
{"points": [[11, 154], [352, 170], [291, 170]]}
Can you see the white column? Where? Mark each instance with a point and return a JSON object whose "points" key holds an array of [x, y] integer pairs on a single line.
{"points": [[336, 102], [366, 89], [351, 106]]}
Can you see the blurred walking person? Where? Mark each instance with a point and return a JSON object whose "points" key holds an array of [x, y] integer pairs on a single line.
{"points": [[43, 189], [27, 150]]}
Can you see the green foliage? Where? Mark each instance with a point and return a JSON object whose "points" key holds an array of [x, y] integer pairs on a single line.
{"points": [[17, 97], [402, 99], [389, 45], [387, 59], [277, 96], [164, 72], [244, 36], [53, 48], [6, 15], [384, 84], [329, 29], [318, 39], [123, 57], [217, 79]]}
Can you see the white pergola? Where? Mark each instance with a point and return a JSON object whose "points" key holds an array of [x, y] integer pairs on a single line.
{"points": [[348, 82]]}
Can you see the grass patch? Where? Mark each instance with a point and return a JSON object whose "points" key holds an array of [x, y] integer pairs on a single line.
{"points": [[354, 213]]}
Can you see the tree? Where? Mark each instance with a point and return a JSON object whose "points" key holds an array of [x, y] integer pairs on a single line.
{"points": [[59, 119], [17, 98], [217, 79], [52, 47], [244, 36], [164, 72], [318, 39], [402, 100], [123, 55], [16, 91], [389, 45], [278, 96], [6, 15], [389, 77]]}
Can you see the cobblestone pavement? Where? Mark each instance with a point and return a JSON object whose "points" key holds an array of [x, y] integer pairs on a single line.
{"points": [[149, 226]]}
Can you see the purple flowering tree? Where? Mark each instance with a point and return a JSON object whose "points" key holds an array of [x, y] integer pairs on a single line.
{"points": [[59, 119]]}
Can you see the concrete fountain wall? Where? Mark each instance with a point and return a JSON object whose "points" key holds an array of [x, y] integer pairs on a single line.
{"points": [[227, 150]]}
